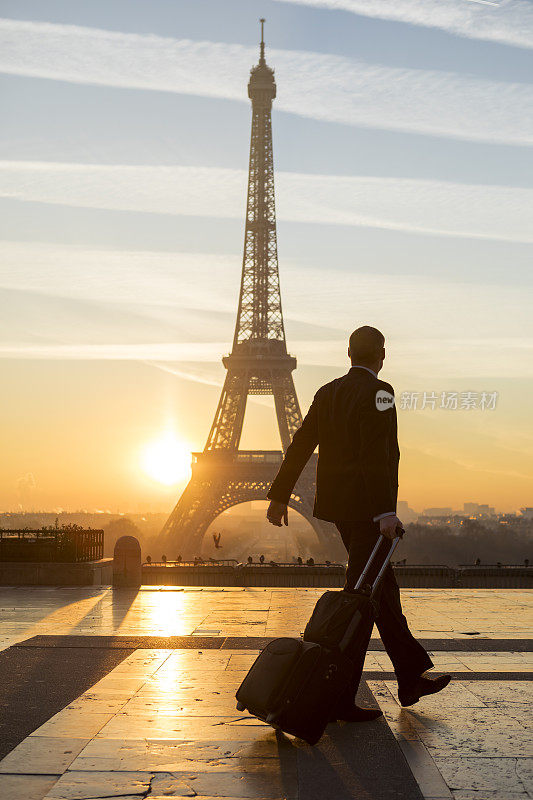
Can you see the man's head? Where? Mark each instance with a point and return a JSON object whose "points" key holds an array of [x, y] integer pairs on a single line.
{"points": [[367, 348]]}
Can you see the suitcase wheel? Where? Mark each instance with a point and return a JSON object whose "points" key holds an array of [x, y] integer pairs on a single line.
{"points": [[240, 706]]}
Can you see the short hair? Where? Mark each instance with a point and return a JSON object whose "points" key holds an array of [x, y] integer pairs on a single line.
{"points": [[366, 345]]}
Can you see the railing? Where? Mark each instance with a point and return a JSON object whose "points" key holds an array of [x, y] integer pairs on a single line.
{"points": [[326, 575], [208, 562], [499, 565], [45, 545]]}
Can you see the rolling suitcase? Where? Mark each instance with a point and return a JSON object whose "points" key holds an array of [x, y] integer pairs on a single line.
{"points": [[294, 685]]}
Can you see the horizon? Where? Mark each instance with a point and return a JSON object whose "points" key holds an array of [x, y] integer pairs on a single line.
{"points": [[239, 510]]}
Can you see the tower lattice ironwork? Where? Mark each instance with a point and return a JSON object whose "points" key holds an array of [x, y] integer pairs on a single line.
{"points": [[259, 364]]}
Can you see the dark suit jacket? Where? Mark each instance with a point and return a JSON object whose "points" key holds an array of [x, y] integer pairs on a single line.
{"points": [[358, 454]]}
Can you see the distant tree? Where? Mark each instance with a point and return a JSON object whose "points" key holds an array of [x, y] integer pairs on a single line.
{"points": [[117, 528]]}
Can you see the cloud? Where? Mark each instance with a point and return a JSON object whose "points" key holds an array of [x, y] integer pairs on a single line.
{"points": [[442, 324], [403, 204], [326, 87], [463, 359], [507, 22]]}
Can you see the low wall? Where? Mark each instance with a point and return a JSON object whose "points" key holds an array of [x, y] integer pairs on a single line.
{"points": [[52, 573], [495, 577], [203, 575], [317, 576]]}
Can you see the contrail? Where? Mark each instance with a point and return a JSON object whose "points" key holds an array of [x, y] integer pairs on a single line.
{"points": [[509, 22], [477, 211], [332, 88]]}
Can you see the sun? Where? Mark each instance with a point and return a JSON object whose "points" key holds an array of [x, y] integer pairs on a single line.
{"points": [[167, 459]]}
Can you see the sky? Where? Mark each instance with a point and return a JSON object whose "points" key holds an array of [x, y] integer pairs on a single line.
{"points": [[404, 193]]}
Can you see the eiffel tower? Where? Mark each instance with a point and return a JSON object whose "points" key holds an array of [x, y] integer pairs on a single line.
{"points": [[223, 475]]}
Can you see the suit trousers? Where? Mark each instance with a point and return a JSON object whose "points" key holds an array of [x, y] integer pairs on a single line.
{"points": [[408, 656]]}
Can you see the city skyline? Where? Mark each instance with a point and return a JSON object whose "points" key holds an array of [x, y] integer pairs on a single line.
{"points": [[400, 148]]}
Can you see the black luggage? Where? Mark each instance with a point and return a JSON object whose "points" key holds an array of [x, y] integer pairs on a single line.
{"points": [[295, 685]]}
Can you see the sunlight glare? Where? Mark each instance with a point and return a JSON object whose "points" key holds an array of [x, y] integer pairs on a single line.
{"points": [[167, 459]]}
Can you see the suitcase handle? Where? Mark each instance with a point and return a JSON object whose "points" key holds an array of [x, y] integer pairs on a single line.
{"points": [[386, 560], [352, 627]]}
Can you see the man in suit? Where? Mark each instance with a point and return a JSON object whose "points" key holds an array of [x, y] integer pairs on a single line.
{"points": [[353, 421]]}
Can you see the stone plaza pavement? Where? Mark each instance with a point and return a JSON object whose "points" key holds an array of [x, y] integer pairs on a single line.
{"points": [[126, 694]]}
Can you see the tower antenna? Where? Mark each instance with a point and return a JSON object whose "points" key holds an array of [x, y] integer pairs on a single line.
{"points": [[262, 53]]}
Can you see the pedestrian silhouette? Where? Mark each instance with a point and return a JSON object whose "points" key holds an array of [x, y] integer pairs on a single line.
{"points": [[261, 559], [216, 539]]}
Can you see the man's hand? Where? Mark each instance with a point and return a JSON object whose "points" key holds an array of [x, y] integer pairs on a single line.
{"points": [[388, 525], [277, 512]]}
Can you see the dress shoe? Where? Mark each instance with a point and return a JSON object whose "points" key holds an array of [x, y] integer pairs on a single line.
{"points": [[356, 714], [408, 695]]}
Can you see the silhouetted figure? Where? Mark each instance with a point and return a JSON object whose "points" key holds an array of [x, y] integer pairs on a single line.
{"points": [[310, 562], [164, 559], [498, 563], [353, 421], [148, 559], [300, 562], [250, 560], [216, 539], [328, 563], [478, 562], [179, 558], [526, 562], [261, 559]]}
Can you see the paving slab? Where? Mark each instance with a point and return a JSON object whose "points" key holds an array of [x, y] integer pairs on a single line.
{"points": [[26, 787], [34, 687], [43, 755]]}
